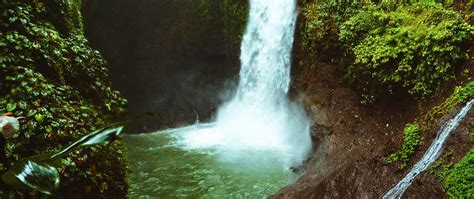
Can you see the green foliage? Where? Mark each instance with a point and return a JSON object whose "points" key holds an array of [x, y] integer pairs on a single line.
{"points": [[459, 181], [442, 163], [466, 93], [229, 16], [415, 47], [233, 17], [50, 75], [411, 140], [41, 173], [460, 95], [69, 58], [457, 178], [34, 176], [320, 26]]}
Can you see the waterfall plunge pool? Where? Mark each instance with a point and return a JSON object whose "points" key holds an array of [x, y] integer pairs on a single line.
{"points": [[256, 138], [162, 166]]}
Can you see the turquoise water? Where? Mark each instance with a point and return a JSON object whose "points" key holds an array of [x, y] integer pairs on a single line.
{"points": [[256, 137], [162, 168]]}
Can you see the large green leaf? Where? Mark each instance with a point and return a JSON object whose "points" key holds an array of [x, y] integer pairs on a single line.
{"points": [[46, 159], [103, 135], [29, 174], [39, 172]]}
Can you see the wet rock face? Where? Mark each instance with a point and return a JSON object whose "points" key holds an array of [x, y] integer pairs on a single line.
{"points": [[164, 56], [321, 128], [351, 141]]}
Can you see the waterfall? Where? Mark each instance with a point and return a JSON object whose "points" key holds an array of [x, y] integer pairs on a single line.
{"points": [[431, 154], [260, 116], [266, 54]]}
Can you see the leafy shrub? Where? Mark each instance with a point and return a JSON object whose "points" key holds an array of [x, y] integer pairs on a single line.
{"points": [[320, 27], [415, 47], [459, 181], [50, 75], [40, 172], [460, 95], [411, 140], [65, 57], [457, 178], [465, 93]]}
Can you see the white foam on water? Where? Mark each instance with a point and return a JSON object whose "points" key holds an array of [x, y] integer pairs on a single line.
{"points": [[260, 117]]}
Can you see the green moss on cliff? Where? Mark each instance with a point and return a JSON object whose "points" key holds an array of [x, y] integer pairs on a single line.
{"points": [[387, 48], [319, 29], [461, 95], [411, 140], [416, 47], [50, 75], [428, 121], [234, 18], [229, 16], [459, 181], [457, 178], [399, 49]]}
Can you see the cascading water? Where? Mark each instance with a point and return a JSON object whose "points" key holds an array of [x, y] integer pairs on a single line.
{"points": [[256, 138], [431, 154], [260, 115]]}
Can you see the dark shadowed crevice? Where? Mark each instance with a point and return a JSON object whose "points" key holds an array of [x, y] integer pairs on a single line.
{"points": [[164, 56]]}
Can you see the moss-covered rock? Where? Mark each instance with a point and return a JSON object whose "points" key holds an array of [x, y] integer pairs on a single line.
{"points": [[387, 48], [411, 140], [229, 16], [50, 75], [412, 47], [457, 177], [319, 29], [459, 181]]}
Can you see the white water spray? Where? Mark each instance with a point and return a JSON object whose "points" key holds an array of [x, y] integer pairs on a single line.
{"points": [[431, 154], [260, 116]]}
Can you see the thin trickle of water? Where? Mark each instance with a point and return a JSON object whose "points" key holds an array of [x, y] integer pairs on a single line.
{"points": [[431, 154]]}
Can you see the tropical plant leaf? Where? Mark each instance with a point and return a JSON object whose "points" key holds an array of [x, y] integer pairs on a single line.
{"points": [[31, 175], [46, 159], [39, 172], [103, 135]]}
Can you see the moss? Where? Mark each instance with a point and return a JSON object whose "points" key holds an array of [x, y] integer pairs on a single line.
{"points": [[387, 48], [229, 15], [234, 18], [414, 47], [411, 140], [411, 137], [457, 178], [50, 75], [461, 95], [442, 163], [459, 181], [319, 28]]}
